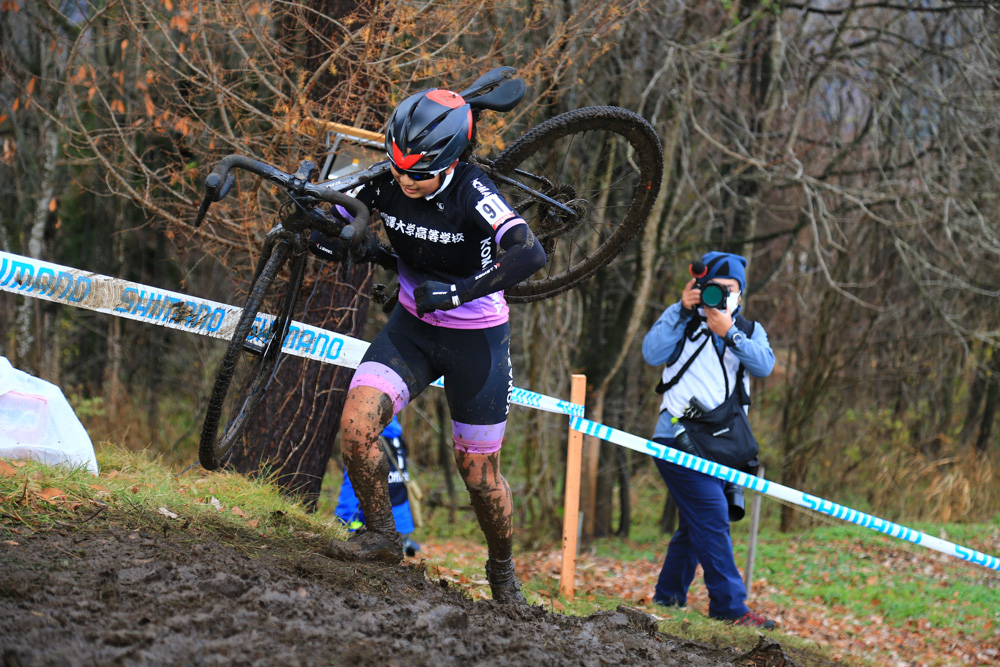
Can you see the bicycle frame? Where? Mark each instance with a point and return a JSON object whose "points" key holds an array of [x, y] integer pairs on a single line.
{"points": [[592, 242]]}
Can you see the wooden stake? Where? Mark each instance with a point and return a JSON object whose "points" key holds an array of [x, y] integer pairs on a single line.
{"points": [[578, 393]]}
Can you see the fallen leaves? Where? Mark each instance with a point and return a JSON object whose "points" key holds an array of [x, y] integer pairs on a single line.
{"points": [[51, 495], [235, 510], [868, 636]]}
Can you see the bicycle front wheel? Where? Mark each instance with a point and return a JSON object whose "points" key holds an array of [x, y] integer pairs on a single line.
{"points": [[247, 370], [603, 164]]}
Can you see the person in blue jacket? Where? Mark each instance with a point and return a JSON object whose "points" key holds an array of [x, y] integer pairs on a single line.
{"points": [[349, 509], [707, 357]]}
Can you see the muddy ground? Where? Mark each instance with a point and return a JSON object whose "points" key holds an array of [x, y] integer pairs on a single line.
{"points": [[121, 596]]}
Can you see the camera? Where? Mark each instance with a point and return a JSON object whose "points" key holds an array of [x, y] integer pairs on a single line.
{"points": [[734, 498], [714, 295]]}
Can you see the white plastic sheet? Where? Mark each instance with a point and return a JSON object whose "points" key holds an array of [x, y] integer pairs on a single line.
{"points": [[37, 422]]}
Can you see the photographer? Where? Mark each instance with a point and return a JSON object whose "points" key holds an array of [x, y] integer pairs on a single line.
{"points": [[708, 349]]}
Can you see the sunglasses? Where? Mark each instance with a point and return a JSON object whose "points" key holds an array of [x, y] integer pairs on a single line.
{"points": [[416, 175]]}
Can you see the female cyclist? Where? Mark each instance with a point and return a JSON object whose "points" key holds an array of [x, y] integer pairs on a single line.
{"points": [[459, 244]]}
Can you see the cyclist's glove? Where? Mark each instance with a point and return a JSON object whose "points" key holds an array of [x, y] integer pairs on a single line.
{"points": [[369, 250], [433, 295], [324, 247]]}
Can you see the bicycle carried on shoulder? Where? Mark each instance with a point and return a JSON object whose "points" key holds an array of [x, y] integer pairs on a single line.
{"points": [[584, 181]]}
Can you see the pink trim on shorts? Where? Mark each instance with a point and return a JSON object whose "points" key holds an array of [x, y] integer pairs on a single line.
{"points": [[478, 438], [379, 376]]}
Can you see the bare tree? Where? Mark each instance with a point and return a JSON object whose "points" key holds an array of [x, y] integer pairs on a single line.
{"points": [[190, 82]]}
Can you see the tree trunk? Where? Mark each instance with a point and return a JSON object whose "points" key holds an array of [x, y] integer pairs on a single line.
{"points": [[793, 477], [112, 379], [28, 314], [990, 403], [291, 436], [605, 490], [628, 323], [989, 414], [974, 404], [624, 491]]}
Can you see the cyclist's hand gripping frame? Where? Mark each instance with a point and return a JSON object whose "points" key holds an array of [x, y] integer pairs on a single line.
{"points": [[220, 182]]}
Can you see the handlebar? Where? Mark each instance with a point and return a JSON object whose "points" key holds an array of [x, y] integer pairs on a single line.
{"points": [[496, 90], [220, 182]]}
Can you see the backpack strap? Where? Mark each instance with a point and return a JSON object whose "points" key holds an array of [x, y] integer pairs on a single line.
{"points": [[662, 387], [744, 325], [690, 332], [747, 327]]}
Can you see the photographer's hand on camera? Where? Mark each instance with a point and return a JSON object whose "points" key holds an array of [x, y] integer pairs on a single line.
{"points": [[691, 296], [719, 321]]}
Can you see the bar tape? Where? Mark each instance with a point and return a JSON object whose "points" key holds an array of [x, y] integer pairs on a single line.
{"points": [[134, 301], [782, 492]]}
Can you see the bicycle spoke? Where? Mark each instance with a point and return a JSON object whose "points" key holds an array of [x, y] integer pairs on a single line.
{"points": [[602, 163]]}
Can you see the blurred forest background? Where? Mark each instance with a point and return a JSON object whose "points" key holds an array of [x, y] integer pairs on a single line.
{"points": [[850, 150]]}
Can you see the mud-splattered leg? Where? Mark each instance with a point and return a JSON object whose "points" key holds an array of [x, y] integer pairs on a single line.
{"points": [[366, 412], [491, 500], [494, 507]]}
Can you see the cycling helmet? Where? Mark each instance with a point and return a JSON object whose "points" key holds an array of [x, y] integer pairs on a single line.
{"points": [[428, 131]]}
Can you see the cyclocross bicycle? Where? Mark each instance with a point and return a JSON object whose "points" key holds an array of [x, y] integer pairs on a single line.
{"points": [[584, 181]]}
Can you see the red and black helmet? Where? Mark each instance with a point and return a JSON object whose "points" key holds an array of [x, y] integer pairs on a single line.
{"points": [[428, 131]]}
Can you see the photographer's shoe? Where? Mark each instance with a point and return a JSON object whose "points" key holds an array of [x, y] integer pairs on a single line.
{"points": [[367, 546], [752, 620], [503, 582]]}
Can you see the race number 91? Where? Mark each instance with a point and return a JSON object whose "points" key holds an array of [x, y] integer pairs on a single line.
{"points": [[495, 210]]}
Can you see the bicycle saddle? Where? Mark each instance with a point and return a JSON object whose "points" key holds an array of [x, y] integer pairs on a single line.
{"points": [[495, 90], [504, 97]]}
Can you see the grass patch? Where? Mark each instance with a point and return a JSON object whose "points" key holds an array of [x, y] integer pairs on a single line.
{"points": [[142, 493], [846, 594]]}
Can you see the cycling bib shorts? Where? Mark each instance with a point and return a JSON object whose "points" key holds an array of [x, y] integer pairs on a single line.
{"points": [[408, 354]]}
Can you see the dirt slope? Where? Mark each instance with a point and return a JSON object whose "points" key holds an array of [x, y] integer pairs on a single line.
{"points": [[120, 596]]}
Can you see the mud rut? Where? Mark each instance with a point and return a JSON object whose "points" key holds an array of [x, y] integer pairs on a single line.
{"points": [[117, 596]]}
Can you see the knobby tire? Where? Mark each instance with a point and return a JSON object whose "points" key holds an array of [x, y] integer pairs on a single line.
{"points": [[215, 447], [606, 163]]}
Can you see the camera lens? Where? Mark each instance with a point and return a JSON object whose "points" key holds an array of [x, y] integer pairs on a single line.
{"points": [[713, 296]]}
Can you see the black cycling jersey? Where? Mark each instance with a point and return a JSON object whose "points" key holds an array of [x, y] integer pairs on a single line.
{"points": [[452, 236]]}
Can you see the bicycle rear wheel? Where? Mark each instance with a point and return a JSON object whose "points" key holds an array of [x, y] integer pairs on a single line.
{"points": [[247, 369], [603, 163]]}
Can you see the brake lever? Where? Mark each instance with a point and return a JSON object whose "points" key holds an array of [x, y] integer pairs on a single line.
{"points": [[202, 210], [213, 193]]}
